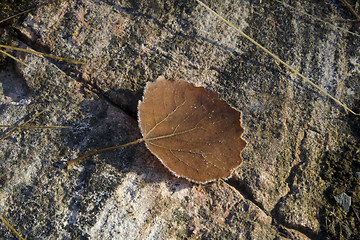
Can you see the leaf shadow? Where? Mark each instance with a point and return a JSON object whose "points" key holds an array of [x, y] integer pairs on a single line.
{"points": [[106, 125]]}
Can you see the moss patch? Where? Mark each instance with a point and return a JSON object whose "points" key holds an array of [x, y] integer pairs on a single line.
{"points": [[339, 169]]}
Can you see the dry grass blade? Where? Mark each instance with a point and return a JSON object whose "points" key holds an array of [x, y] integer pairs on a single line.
{"points": [[25, 11], [31, 51], [306, 80], [348, 6], [33, 127], [42, 54], [11, 227], [16, 15], [317, 19], [11, 56], [23, 126]]}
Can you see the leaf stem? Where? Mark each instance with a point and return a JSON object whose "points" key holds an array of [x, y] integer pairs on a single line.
{"points": [[70, 163]]}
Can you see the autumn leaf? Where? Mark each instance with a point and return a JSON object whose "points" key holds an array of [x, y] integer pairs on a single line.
{"points": [[194, 134]]}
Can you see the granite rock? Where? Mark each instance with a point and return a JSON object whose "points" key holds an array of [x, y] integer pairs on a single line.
{"points": [[280, 191]]}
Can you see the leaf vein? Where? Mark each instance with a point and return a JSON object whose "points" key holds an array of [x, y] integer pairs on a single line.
{"points": [[166, 117], [191, 152]]}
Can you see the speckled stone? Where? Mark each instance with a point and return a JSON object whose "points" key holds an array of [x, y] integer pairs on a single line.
{"points": [[344, 201], [278, 192]]}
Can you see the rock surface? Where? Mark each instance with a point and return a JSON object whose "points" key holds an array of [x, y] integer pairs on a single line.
{"points": [[302, 150]]}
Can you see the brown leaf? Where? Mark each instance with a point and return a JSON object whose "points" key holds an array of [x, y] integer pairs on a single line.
{"points": [[193, 133]]}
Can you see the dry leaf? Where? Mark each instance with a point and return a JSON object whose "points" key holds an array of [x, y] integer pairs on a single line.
{"points": [[194, 133]]}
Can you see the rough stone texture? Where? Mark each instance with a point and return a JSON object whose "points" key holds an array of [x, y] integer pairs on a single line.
{"points": [[302, 148]]}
